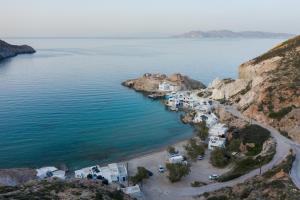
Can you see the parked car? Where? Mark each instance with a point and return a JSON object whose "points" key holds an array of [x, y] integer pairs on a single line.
{"points": [[161, 169], [149, 173], [213, 177], [200, 157]]}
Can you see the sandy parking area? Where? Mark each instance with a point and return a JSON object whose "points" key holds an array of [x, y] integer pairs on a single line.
{"points": [[158, 186]]}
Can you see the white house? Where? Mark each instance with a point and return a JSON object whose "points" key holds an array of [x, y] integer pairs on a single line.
{"points": [[215, 141], [164, 86], [218, 129], [176, 159], [84, 172], [47, 172], [133, 191], [210, 119], [115, 172]]}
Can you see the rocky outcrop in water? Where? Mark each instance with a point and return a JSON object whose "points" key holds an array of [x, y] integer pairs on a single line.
{"points": [[150, 82], [8, 50]]}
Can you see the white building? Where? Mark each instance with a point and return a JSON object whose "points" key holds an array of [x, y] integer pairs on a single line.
{"points": [[166, 87], [133, 191], [176, 159], [215, 141], [47, 172], [114, 172], [210, 119], [218, 130]]}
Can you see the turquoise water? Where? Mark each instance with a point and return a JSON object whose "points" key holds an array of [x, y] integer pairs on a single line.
{"points": [[65, 104]]}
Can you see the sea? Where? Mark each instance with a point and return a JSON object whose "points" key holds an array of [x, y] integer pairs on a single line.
{"points": [[65, 105]]}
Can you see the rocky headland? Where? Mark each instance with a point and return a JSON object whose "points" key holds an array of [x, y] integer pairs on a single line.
{"points": [[268, 88], [149, 83], [8, 50]]}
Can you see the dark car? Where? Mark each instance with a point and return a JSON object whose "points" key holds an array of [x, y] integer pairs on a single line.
{"points": [[149, 173]]}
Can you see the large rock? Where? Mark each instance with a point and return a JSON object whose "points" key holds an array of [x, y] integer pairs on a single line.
{"points": [[228, 88], [8, 50]]}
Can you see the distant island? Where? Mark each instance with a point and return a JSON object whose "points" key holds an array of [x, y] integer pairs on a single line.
{"points": [[232, 34], [8, 50]]}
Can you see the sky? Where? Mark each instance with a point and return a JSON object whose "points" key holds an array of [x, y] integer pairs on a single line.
{"points": [[144, 18]]}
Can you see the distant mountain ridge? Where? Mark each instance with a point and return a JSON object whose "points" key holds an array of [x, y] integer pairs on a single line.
{"points": [[232, 34]]}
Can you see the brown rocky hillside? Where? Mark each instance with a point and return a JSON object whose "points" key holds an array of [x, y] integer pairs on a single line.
{"points": [[268, 88]]}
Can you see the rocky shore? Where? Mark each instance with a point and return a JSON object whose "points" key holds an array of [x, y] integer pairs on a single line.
{"points": [[8, 50], [149, 83]]}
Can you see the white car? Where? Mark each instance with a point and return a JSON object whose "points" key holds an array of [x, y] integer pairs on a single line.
{"points": [[161, 169], [213, 177]]}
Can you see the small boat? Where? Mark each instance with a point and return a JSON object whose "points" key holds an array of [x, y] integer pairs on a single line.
{"points": [[152, 96], [173, 108]]}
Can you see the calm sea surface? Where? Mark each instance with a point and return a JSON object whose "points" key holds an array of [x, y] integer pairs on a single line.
{"points": [[65, 104]]}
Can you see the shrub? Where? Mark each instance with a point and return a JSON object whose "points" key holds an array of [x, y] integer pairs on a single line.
{"points": [[197, 184], [177, 171], [202, 130], [171, 150], [254, 134], [219, 157], [140, 175], [234, 145], [193, 149], [281, 113]]}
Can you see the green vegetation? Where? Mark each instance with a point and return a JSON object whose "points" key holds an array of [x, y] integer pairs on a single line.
{"points": [[254, 134], [177, 171], [219, 157], [286, 166], [246, 165], [267, 186], [202, 130], [142, 173], [197, 184], [193, 149], [281, 113], [234, 145], [171, 150]]}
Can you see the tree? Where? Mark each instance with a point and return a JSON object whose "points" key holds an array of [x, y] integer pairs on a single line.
{"points": [[177, 171], [219, 157], [142, 173], [234, 145], [171, 150], [193, 149], [202, 130]]}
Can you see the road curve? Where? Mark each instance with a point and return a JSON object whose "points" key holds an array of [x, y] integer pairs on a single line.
{"points": [[283, 146]]}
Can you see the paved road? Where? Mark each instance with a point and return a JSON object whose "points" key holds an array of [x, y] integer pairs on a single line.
{"points": [[282, 150]]}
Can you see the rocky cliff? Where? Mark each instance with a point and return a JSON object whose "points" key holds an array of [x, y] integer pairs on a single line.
{"points": [[149, 82], [268, 88], [62, 190], [8, 50]]}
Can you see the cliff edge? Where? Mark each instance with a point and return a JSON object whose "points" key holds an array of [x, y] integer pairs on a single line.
{"points": [[268, 88]]}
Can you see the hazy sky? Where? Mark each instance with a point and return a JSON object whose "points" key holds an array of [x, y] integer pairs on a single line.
{"points": [[84, 18]]}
